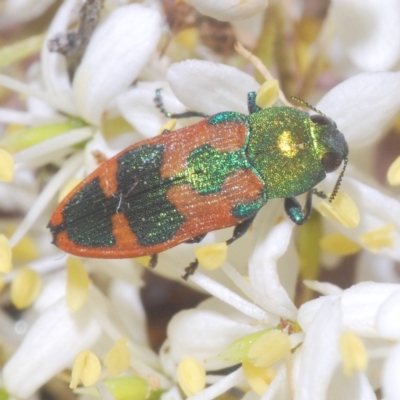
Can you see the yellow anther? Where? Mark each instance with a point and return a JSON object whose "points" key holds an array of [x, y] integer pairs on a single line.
{"points": [[117, 360], [128, 388], [393, 174], [25, 288], [2, 284], [379, 238], [72, 184], [188, 38], [339, 245], [342, 210], [5, 255], [239, 349], [168, 126], [268, 93], [143, 260], [258, 378], [6, 166], [269, 348], [213, 256], [77, 284], [86, 369], [353, 352], [191, 376], [25, 250]]}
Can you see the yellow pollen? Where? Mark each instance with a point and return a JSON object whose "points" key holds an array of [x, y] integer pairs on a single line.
{"points": [[286, 145], [86, 369], [393, 174], [2, 285], [168, 126], [258, 378], [213, 256], [6, 166], [353, 352], [191, 376], [342, 210], [143, 260], [269, 348], [77, 284], [117, 360], [268, 93], [25, 288], [25, 250], [379, 238], [128, 388], [239, 349], [339, 245], [5, 255], [72, 184], [188, 38]]}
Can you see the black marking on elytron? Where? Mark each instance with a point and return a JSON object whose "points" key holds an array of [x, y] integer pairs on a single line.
{"points": [[87, 217], [228, 116], [142, 195], [247, 210]]}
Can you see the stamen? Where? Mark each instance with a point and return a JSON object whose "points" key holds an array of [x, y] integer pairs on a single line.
{"points": [[117, 360]]}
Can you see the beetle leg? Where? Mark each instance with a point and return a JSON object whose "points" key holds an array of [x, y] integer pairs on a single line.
{"points": [[295, 212], [241, 229], [196, 239], [188, 114], [251, 102], [238, 232], [153, 260], [191, 269], [319, 194]]}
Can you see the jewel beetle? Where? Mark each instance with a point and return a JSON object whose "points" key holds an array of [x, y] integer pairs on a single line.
{"points": [[180, 185]]}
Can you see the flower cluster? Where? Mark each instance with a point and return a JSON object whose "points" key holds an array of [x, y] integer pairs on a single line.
{"points": [[82, 90]]}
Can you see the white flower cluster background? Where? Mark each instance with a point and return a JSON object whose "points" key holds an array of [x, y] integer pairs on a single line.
{"points": [[285, 312]]}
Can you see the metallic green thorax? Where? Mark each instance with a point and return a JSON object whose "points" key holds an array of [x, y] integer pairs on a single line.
{"points": [[285, 148]]}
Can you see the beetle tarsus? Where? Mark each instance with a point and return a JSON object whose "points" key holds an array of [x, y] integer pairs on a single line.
{"points": [[196, 239], [188, 114], [191, 269], [319, 194], [153, 260], [240, 230]]}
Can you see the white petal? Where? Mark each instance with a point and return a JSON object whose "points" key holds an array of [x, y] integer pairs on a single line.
{"points": [[127, 305], [117, 52], [210, 87], [387, 318], [54, 69], [324, 288], [376, 210], [363, 106], [377, 268], [359, 304], [263, 269], [391, 375], [370, 32], [23, 10], [319, 352], [49, 347], [138, 107], [229, 10], [204, 334]]}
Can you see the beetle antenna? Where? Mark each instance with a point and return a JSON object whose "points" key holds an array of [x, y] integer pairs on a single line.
{"points": [[338, 182], [308, 105]]}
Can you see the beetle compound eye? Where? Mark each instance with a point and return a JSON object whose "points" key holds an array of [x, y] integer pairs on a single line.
{"points": [[331, 161], [321, 120]]}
